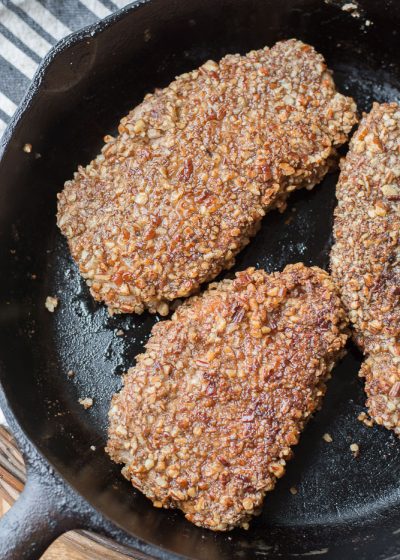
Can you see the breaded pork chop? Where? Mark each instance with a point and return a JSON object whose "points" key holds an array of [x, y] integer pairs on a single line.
{"points": [[176, 195], [365, 259], [207, 417]]}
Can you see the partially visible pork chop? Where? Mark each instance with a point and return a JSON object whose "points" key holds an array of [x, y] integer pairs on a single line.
{"points": [[366, 256]]}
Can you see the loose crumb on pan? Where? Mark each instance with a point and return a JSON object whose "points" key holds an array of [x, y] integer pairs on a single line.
{"points": [[120, 332], [352, 9], [365, 419], [93, 448], [355, 449], [51, 303], [349, 7], [206, 419], [172, 199], [86, 402], [293, 490], [27, 148], [327, 437], [70, 374]]}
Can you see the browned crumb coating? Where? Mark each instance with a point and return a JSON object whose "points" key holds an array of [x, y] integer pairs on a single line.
{"points": [[366, 257], [206, 420], [179, 192]]}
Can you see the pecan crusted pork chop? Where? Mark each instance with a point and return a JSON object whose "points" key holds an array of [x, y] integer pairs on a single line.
{"points": [[366, 257], [206, 419], [176, 195]]}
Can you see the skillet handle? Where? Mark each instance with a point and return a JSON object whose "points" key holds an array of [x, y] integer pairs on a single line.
{"points": [[36, 519]]}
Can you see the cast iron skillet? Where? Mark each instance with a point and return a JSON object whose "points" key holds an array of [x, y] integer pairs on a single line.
{"points": [[345, 508]]}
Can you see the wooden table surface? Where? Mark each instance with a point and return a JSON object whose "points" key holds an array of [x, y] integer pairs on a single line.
{"points": [[74, 545]]}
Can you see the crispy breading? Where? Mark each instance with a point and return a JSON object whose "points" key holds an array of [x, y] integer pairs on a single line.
{"points": [[366, 257], [206, 419], [180, 191]]}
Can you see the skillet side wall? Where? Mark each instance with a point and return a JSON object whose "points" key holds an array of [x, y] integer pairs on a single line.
{"points": [[92, 79]]}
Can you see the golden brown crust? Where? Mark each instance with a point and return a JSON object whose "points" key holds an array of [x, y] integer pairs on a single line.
{"points": [[206, 419], [366, 257], [178, 193]]}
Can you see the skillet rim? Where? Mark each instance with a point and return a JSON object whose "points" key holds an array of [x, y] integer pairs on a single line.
{"points": [[89, 31]]}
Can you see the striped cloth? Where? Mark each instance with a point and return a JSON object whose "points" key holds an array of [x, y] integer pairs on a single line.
{"points": [[28, 29]]}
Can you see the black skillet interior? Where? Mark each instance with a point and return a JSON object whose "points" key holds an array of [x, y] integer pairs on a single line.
{"points": [[345, 507]]}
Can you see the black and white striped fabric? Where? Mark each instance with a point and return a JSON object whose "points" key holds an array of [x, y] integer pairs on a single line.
{"points": [[28, 29]]}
